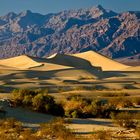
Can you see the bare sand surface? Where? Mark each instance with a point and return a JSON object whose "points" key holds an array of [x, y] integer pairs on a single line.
{"points": [[99, 60], [19, 62]]}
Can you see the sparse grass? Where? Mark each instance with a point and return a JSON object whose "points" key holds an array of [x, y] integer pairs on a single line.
{"points": [[101, 135], [57, 129], [115, 94], [75, 97], [10, 129], [138, 133], [125, 119]]}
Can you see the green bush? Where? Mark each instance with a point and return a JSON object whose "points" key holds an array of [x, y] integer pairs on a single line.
{"points": [[38, 101], [27, 100], [42, 102], [77, 106], [19, 94]]}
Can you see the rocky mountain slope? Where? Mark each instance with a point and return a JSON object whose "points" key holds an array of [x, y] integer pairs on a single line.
{"points": [[115, 35]]}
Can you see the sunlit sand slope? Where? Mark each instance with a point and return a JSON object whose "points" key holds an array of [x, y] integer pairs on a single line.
{"points": [[101, 61], [20, 62]]}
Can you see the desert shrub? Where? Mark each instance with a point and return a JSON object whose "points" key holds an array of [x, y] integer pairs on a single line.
{"points": [[28, 134], [56, 129], [38, 101], [136, 101], [74, 114], [73, 106], [75, 97], [120, 102], [19, 94], [42, 102], [101, 135], [45, 103], [39, 90], [79, 107], [27, 100], [115, 94], [10, 129], [10, 123], [125, 119], [102, 109]]}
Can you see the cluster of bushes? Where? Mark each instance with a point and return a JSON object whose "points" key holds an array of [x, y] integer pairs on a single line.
{"points": [[77, 106], [36, 100], [11, 129]]}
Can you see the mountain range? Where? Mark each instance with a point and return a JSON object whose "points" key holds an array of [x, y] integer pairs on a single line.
{"points": [[115, 35]]}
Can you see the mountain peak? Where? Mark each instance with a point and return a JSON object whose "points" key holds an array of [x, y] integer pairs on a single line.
{"points": [[97, 11], [26, 12], [100, 7], [10, 15]]}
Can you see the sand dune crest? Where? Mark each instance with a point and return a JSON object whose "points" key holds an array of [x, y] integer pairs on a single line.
{"points": [[98, 60], [20, 62]]}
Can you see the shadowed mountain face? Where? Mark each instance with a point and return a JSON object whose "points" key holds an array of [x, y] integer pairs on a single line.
{"points": [[112, 34]]}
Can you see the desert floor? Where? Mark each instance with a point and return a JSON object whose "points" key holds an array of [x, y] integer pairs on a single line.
{"points": [[88, 74]]}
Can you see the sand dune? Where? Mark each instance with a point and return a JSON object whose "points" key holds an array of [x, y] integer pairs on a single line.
{"points": [[20, 62], [136, 68], [48, 66], [87, 60], [98, 60], [69, 60], [24, 71]]}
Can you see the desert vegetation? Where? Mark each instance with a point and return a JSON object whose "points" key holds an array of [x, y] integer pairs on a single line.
{"points": [[115, 94], [74, 106], [101, 135], [126, 119], [36, 100], [11, 129], [78, 106]]}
